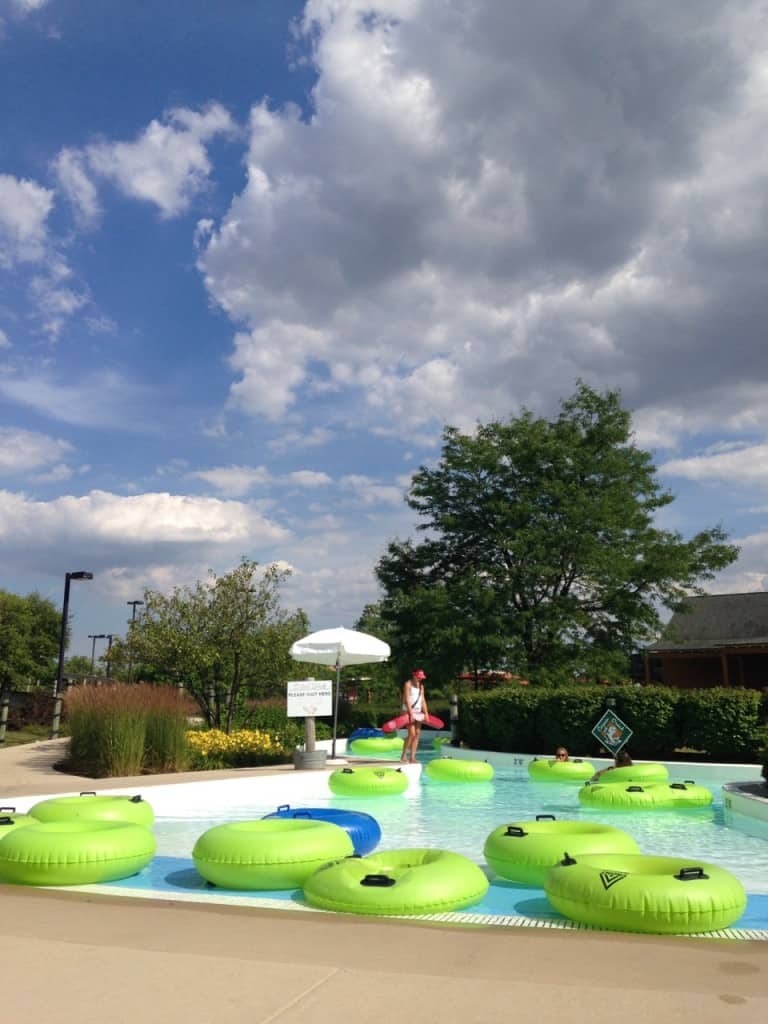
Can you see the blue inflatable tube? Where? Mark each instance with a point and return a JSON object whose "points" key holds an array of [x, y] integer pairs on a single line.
{"points": [[365, 734], [362, 828]]}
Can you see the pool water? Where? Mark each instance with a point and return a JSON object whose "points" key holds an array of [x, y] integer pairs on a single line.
{"points": [[455, 817]]}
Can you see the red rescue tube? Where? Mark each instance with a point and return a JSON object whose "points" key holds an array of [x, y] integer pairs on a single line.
{"points": [[402, 721]]}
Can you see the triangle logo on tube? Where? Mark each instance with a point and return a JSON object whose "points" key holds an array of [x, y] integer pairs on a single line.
{"points": [[609, 878]]}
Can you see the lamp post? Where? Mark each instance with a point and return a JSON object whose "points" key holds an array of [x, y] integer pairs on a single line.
{"points": [[130, 645], [68, 577], [95, 637], [109, 638]]}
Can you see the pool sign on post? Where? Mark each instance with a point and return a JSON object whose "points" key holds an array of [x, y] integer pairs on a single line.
{"points": [[308, 698], [612, 732]]}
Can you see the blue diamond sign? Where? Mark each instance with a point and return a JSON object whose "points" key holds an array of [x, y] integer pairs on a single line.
{"points": [[612, 732]]}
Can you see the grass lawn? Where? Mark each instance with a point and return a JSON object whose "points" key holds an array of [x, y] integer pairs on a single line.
{"points": [[30, 734]]}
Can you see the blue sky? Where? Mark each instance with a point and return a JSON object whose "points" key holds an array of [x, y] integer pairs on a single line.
{"points": [[254, 255]]}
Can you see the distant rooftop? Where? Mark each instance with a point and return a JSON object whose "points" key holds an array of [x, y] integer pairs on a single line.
{"points": [[717, 620]]}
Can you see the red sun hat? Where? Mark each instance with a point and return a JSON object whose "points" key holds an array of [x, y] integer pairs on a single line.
{"points": [[419, 673]]}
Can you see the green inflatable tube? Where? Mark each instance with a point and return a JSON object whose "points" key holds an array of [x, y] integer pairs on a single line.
{"points": [[544, 770], [653, 796], [637, 773], [660, 895], [401, 882], [273, 853], [376, 745], [445, 769], [75, 852], [10, 821], [368, 781], [95, 807], [523, 851]]}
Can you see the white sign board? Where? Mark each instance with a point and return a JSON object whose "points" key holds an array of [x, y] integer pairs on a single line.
{"points": [[310, 698]]}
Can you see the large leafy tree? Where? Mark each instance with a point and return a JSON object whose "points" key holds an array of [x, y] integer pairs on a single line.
{"points": [[225, 639], [542, 552], [29, 639]]}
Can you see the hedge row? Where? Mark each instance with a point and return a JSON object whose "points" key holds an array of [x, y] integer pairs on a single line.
{"points": [[720, 724]]}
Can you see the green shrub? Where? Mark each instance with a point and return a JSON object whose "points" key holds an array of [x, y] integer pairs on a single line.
{"points": [[724, 723], [565, 716], [503, 719], [721, 721], [651, 712]]}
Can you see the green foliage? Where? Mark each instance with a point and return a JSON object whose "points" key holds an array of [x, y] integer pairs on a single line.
{"points": [[723, 724], [77, 667], [226, 640], [542, 556], [723, 721], [120, 730], [29, 639], [652, 713]]}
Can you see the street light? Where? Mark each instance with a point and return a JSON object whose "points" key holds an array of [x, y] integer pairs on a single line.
{"points": [[68, 577], [130, 646], [95, 637], [109, 637]]}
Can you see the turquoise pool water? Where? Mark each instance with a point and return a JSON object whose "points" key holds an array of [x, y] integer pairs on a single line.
{"points": [[454, 817]]}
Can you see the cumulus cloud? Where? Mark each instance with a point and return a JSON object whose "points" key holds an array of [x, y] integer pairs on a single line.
{"points": [[24, 450], [24, 210], [167, 165], [490, 200], [155, 528]]}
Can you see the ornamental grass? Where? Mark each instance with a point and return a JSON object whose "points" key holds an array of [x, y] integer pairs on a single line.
{"points": [[121, 729]]}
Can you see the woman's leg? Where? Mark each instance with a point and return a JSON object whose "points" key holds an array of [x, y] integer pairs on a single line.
{"points": [[408, 742], [415, 741]]}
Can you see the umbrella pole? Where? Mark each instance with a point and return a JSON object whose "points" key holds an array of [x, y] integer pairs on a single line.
{"points": [[336, 707]]}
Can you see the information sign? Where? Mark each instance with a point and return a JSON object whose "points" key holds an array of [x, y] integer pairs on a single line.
{"points": [[612, 732], [309, 698]]}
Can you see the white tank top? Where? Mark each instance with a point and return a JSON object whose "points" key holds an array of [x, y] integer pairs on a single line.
{"points": [[414, 698]]}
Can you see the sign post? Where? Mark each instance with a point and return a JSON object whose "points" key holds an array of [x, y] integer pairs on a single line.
{"points": [[308, 698], [612, 732]]}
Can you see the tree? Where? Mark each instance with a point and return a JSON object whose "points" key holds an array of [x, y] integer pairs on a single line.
{"points": [[77, 667], [224, 639], [542, 553], [29, 639]]}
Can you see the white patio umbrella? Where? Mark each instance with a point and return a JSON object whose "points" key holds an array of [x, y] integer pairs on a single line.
{"points": [[339, 647]]}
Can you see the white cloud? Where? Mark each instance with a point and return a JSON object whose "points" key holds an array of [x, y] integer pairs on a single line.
{"points": [[166, 165], [29, 5], [99, 520], [24, 450], [485, 205], [98, 399], [745, 465], [74, 182], [292, 440], [24, 209], [234, 481], [370, 492], [272, 362], [4, 342], [309, 478]]}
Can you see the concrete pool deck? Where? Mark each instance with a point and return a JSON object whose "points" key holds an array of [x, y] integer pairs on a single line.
{"points": [[71, 958]]}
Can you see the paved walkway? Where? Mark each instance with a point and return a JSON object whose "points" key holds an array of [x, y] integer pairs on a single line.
{"points": [[74, 959]]}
